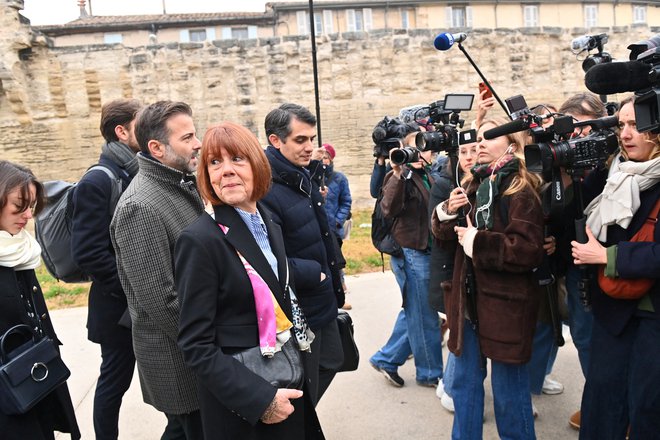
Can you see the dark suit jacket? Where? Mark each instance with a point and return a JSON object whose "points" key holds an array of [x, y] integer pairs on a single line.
{"points": [[93, 253], [218, 317]]}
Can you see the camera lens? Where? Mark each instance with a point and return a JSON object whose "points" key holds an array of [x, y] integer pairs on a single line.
{"points": [[404, 155]]}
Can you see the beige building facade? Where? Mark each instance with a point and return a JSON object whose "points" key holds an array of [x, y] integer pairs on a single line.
{"points": [[338, 16]]}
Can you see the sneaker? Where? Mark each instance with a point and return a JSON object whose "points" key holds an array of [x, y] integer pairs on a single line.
{"points": [[431, 384], [535, 411], [440, 389], [447, 402], [574, 421], [551, 386], [391, 376]]}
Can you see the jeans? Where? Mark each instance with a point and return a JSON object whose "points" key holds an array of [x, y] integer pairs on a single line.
{"points": [[448, 378], [623, 382], [542, 356], [117, 366], [580, 320], [513, 403], [417, 328]]}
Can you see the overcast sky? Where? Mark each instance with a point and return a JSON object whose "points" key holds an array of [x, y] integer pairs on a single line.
{"points": [[61, 11]]}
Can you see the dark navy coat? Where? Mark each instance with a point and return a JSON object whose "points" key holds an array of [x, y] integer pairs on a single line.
{"points": [[296, 205]]}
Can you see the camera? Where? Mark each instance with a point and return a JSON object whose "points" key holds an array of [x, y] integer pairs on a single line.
{"points": [[587, 43], [404, 155], [444, 115], [585, 153], [647, 102]]}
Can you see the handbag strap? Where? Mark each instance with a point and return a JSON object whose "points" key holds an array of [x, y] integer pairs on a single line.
{"points": [[649, 224]]}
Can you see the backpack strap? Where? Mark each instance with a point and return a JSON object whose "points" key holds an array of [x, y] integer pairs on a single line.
{"points": [[117, 187]]}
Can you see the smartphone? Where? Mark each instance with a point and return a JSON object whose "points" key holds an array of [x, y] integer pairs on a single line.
{"points": [[482, 87]]}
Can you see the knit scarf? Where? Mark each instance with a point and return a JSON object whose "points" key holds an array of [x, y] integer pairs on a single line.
{"points": [[489, 188], [20, 251], [619, 201], [122, 154]]}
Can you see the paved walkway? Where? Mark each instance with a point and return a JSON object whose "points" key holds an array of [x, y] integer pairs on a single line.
{"points": [[359, 405]]}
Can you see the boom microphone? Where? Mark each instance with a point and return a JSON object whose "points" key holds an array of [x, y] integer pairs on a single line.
{"points": [[445, 40], [508, 128], [611, 78]]}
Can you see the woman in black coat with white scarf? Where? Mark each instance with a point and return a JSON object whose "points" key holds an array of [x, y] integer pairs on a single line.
{"points": [[21, 195]]}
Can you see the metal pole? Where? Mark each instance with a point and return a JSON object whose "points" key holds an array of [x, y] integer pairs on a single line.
{"points": [[316, 73]]}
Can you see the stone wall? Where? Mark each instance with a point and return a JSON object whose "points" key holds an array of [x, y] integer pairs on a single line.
{"points": [[51, 97]]}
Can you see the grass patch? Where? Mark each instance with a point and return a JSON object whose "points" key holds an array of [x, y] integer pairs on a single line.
{"points": [[59, 294], [361, 256]]}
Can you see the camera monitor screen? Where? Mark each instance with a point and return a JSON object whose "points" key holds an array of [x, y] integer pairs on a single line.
{"points": [[458, 101]]}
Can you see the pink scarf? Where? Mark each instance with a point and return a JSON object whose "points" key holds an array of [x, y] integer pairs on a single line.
{"points": [[263, 301]]}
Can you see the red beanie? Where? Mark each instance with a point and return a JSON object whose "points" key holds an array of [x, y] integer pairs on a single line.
{"points": [[331, 150]]}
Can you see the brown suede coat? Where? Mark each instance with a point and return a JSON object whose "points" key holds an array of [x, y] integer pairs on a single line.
{"points": [[407, 200], [507, 290]]}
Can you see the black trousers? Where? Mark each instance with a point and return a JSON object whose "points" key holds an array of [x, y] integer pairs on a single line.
{"points": [[322, 363], [183, 427], [117, 366]]}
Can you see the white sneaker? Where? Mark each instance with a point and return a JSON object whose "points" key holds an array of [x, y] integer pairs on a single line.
{"points": [[535, 411], [551, 386], [447, 402], [440, 389]]}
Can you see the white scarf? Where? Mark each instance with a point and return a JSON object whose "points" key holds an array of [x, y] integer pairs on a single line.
{"points": [[20, 251], [619, 201]]}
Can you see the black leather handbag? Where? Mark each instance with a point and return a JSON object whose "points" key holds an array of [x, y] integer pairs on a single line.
{"points": [[351, 353], [29, 372], [283, 370]]}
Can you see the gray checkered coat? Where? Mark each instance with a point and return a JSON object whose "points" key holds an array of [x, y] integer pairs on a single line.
{"points": [[152, 212]]}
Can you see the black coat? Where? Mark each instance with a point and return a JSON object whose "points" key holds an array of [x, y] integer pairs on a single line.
{"points": [[56, 411], [218, 317], [296, 205], [93, 253]]}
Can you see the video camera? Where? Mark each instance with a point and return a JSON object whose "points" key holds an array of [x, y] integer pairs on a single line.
{"points": [[641, 75], [587, 43], [445, 117]]}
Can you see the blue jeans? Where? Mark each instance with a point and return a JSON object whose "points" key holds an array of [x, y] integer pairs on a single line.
{"points": [[580, 320], [448, 378], [417, 328], [513, 403], [542, 356]]}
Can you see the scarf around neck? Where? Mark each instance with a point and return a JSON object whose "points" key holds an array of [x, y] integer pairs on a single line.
{"points": [[619, 201], [489, 188], [122, 155], [20, 251]]}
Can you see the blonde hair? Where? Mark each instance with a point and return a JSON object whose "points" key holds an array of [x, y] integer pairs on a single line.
{"points": [[649, 138], [524, 179]]}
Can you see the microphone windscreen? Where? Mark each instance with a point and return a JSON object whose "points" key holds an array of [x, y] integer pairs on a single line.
{"points": [[611, 78], [508, 128], [443, 41]]}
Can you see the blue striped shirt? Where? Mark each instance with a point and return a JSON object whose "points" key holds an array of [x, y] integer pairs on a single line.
{"points": [[257, 227]]}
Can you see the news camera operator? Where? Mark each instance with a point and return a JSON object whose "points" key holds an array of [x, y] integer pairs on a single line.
{"points": [[405, 198], [493, 300], [623, 376]]}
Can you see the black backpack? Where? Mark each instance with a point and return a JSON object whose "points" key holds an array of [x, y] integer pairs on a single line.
{"points": [[53, 226], [381, 231]]}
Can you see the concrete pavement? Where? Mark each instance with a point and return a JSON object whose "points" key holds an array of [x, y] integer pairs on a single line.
{"points": [[359, 405]]}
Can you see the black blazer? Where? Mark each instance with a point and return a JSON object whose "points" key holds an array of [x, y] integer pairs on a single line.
{"points": [[218, 317]]}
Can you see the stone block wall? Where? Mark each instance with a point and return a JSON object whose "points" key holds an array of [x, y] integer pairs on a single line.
{"points": [[51, 97]]}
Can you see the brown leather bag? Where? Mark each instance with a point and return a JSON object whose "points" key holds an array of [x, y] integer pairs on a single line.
{"points": [[631, 288]]}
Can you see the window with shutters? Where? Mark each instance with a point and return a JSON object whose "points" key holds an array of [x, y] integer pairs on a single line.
{"points": [[590, 16], [458, 17], [197, 35], [531, 15], [327, 22], [639, 14], [405, 20], [318, 23], [112, 38], [358, 20], [303, 22]]}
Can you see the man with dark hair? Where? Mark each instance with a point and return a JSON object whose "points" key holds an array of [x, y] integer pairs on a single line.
{"points": [[160, 202], [93, 204], [296, 204]]}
